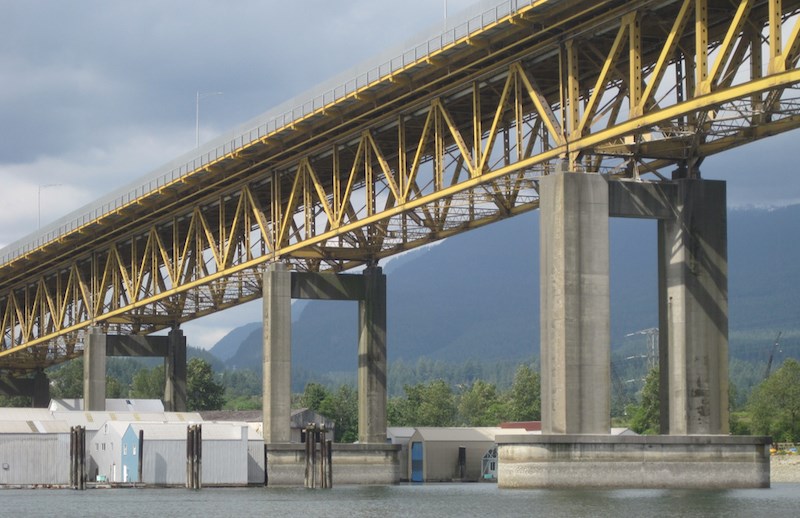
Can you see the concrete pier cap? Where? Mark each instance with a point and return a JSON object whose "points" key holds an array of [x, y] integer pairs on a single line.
{"points": [[633, 461]]}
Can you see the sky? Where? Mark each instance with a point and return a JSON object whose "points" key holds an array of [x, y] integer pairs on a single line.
{"points": [[96, 93]]}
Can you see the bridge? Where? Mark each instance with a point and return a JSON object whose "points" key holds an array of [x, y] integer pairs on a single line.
{"points": [[511, 109]]}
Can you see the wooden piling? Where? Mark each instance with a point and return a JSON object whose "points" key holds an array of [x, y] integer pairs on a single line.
{"points": [[72, 457], [82, 456], [329, 463], [189, 453], [198, 444], [307, 478], [140, 466], [194, 456]]}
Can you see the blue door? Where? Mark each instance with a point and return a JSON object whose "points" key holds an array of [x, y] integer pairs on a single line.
{"points": [[416, 462]]}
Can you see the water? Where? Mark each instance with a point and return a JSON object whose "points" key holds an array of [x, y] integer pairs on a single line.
{"points": [[403, 500]]}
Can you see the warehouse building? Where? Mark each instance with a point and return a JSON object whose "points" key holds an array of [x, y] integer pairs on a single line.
{"points": [[34, 452], [115, 453], [452, 454]]}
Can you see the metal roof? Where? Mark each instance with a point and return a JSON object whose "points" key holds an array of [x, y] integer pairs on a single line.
{"points": [[33, 426], [95, 420], [337, 90], [112, 405], [25, 414], [177, 432], [459, 434]]}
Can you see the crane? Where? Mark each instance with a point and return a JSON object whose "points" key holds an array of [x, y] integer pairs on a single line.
{"points": [[772, 354]]}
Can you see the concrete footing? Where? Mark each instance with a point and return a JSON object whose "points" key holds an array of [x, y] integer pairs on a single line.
{"points": [[602, 461], [352, 464]]}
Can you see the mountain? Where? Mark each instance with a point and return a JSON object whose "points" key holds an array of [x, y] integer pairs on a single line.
{"points": [[229, 344], [475, 296]]}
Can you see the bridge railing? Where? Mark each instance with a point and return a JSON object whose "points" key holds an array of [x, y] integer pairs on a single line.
{"points": [[472, 21]]}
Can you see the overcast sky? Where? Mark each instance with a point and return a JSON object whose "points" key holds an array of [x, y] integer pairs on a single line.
{"points": [[96, 93]]}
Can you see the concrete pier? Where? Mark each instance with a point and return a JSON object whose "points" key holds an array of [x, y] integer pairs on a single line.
{"points": [[575, 449], [94, 370], [98, 346], [369, 290], [175, 399], [575, 301], [693, 310], [352, 464], [372, 395], [277, 388]]}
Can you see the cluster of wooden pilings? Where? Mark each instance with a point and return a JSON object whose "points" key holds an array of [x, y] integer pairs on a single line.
{"points": [[318, 465], [77, 456], [194, 456]]}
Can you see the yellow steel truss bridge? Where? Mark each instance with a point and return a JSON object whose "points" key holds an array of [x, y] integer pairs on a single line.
{"points": [[447, 136]]}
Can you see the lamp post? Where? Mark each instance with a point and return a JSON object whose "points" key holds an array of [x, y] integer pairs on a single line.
{"points": [[39, 202], [197, 114]]}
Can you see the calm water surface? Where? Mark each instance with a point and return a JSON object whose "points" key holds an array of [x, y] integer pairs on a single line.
{"points": [[403, 500]]}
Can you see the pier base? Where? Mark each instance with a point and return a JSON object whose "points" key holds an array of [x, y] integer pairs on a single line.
{"points": [[352, 464], [656, 462]]}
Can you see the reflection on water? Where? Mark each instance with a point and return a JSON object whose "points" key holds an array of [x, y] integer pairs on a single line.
{"points": [[403, 500]]}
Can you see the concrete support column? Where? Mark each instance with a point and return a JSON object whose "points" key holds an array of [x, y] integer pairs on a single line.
{"points": [[277, 353], [175, 373], [41, 390], [372, 359], [94, 370], [575, 300], [693, 309]]}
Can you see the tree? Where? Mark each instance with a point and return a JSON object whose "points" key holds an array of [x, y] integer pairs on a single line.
{"points": [[480, 405], [431, 404], [66, 380], [342, 408], [313, 396], [645, 417], [525, 402], [775, 404], [148, 383], [203, 392]]}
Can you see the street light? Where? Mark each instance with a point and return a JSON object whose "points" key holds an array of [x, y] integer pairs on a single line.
{"points": [[197, 114], [39, 202]]}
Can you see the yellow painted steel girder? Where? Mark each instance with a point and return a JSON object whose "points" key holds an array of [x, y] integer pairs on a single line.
{"points": [[452, 141]]}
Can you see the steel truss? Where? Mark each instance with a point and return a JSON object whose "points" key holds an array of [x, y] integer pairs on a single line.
{"points": [[449, 143]]}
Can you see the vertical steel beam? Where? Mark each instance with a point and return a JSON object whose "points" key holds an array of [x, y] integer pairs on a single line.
{"points": [[635, 60], [775, 36], [701, 45]]}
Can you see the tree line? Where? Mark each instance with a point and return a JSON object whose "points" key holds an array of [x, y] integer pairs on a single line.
{"points": [[433, 403], [130, 379], [438, 394], [772, 407]]}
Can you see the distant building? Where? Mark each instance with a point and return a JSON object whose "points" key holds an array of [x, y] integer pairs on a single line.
{"points": [[401, 435], [451, 454]]}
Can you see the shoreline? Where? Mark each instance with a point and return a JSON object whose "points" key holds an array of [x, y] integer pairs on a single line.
{"points": [[784, 468]]}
